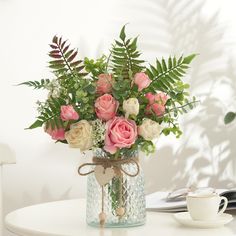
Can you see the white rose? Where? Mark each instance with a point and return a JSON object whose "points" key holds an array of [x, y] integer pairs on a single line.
{"points": [[80, 135], [149, 129], [131, 107]]}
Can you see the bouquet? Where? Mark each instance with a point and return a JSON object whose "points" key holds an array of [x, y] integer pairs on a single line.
{"points": [[118, 103]]}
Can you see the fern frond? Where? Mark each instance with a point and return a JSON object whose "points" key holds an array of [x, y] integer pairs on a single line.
{"points": [[165, 74], [125, 57], [64, 59], [36, 84], [50, 115]]}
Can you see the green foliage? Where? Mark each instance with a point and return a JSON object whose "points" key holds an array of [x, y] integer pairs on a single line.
{"points": [[229, 117], [74, 84], [166, 75], [96, 67], [121, 89], [37, 84], [147, 147], [64, 59], [50, 115], [125, 57]]}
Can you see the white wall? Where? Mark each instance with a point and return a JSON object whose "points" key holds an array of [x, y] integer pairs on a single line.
{"points": [[205, 155]]}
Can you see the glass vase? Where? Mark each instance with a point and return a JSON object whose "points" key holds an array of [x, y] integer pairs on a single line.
{"points": [[122, 199]]}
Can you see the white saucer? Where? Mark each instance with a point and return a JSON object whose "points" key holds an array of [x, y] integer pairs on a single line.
{"points": [[184, 218]]}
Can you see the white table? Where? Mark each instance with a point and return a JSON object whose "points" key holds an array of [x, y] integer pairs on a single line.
{"points": [[67, 218]]}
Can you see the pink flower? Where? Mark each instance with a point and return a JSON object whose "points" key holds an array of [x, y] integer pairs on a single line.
{"points": [[160, 98], [156, 108], [141, 80], [56, 134], [156, 103], [68, 113], [120, 133], [104, 83], [106, 107], [150, 97]]}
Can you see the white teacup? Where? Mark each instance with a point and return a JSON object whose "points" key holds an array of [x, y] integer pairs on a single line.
{"points": [[205, 207]]}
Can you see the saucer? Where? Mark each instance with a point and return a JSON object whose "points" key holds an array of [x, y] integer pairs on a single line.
{"points": [[184, 218]]}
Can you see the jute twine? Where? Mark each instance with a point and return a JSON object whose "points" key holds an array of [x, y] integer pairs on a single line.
{"points": [[106, 163]]}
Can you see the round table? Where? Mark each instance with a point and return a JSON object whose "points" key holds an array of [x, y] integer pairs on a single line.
{"points": [[67, 218]]}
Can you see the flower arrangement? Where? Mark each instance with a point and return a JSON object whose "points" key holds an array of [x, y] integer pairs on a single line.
{"points": [[115, 102]]}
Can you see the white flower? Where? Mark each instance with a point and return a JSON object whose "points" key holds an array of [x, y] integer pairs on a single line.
{"points": [[80, 135], [131, 107], [149, 129], [98, 132]]}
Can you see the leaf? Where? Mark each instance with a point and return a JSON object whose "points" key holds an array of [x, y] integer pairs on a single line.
{"points": [[189, 58], [169, 63], [71, 58], [54, 40], [66, 48], [122, 33], [119, 44], [164, 65], [56, 66], [230, 116], [69, 53], [53, 46], [60, 41], [159, 68], [63, 44], [56, 62], [55, 55], [79, 68], [36, 124], [76, 63], [54, 52]]}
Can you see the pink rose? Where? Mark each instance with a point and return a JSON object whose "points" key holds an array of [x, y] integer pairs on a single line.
{"points": [[157, 108], [106, 107], [150, 97], [56, 134], [156, 103], [120, 133], [160, 98], [141, 80], [68, 113], [104, 83]]}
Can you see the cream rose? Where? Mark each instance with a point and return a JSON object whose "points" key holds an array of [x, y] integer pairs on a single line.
{"points": [[131, 107], [80, 135], [149, 129]]}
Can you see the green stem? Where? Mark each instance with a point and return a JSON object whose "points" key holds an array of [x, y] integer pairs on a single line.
{"points": [[108, 60], [177, 108], [128, 57]]}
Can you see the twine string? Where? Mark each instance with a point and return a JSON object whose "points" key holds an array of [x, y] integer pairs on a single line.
{"points": [[110, 163]]}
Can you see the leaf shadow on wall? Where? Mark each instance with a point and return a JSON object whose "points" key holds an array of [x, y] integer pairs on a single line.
{"points": [[205, 154]]}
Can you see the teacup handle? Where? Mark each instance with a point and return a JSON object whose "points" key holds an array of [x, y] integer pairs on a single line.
{"points": [[225, 205]]}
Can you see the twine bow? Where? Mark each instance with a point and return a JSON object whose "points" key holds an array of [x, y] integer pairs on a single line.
{"points": [[106, 163]]}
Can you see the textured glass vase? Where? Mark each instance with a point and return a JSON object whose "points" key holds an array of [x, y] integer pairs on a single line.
{"points": [[123, 193]]}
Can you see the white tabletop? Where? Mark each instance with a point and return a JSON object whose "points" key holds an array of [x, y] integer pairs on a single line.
{"points": [[67, 218]]}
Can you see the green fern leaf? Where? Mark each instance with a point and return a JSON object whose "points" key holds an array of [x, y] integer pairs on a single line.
{"points": [[125, 57], [36, 84]]}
